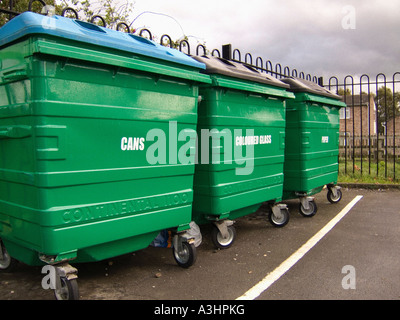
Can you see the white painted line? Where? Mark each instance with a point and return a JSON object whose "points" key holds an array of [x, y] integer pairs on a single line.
{"points": [[265, 283]]}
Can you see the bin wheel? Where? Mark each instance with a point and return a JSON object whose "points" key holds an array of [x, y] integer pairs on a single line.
{"points": [[280, 221], [69, 290], [7, 263], [218, 239], [331, 197], [311, 211], [186, 256]]}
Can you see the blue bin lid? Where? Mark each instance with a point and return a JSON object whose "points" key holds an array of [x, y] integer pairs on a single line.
{"points": [[30, 23]]}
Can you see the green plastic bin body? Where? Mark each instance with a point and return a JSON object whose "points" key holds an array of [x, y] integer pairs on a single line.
{"points": [[312, 140], [233, 104], [76, 181]]}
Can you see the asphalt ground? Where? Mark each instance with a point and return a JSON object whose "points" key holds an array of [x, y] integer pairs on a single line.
{"points": [[357, 260]]}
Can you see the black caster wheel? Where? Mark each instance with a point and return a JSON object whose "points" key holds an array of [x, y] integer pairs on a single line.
{"points": [[281, 220], [218, 239], [7, 263], [310, 212], [331, 197], [185, 255], [68, 291]]}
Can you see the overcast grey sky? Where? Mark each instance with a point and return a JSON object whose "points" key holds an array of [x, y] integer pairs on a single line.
{"points": [[318, 37]]}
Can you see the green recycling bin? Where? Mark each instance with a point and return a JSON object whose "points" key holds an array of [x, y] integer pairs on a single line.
{"points": [[312, 144], [241, 143], [88, 117]]}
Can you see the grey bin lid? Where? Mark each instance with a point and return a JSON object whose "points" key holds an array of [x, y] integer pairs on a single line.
{"points": [[220, 66], [301, 85]]}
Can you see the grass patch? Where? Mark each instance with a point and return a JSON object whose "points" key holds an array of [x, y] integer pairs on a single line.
{"points": [[370, 173]]}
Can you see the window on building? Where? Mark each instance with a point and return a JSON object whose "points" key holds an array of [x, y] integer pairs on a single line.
{"points": [[344, 113]]}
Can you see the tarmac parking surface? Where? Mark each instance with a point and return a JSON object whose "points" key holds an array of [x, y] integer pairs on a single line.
{"points": [[357, 259]]}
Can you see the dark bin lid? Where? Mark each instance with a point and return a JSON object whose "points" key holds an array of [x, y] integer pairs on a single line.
{"points": [[301, 85], [29, 23], [220, 66]]}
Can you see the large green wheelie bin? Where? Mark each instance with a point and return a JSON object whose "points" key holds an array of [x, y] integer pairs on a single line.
{"points": [[241, 134], [312, 144], [84, 175]]}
